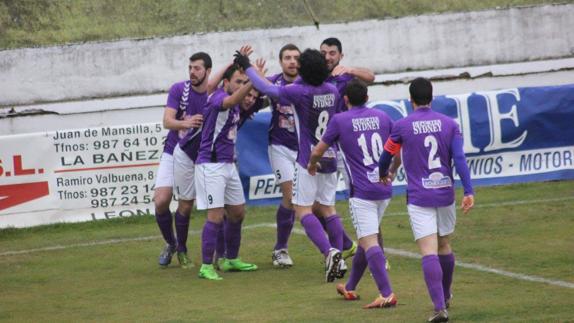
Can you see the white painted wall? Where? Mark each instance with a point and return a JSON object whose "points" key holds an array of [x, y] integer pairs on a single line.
{"points": [[393, 45]]}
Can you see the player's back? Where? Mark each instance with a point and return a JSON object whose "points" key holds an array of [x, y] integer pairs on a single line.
{"points": [[427, 156], [314, 107], [362, 134]]}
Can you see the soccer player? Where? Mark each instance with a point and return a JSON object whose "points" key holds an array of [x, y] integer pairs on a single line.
{"points": [[182, 113], [340, 75], [283, 152], [315, 103], [217, 181], [430, 142], [360, 133]]}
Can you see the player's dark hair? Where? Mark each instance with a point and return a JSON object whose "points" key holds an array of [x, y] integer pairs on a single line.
{"points": [[287, 47], [202, 56], [332, 41], [356, 92], [421, 91], [230, 71], [313, 67]]}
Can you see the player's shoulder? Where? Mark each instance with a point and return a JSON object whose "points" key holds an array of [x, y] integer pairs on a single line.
{"points": [[180, 86], [274, 78]]}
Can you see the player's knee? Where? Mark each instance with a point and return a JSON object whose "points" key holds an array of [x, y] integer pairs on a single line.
{"points": [[184, 207]]}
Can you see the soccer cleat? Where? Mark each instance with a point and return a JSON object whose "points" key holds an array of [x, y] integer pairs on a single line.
{"points": [[440, 316], [208, 272], [281, 258], [350, 252], [342, 269], [383, 302], [387, 265], [166, 255], [237, 265], [184, 261], [332, 265], [348, 295]]}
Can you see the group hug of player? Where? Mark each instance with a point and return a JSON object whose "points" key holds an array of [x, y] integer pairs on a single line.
{"points": [[319, 126]]}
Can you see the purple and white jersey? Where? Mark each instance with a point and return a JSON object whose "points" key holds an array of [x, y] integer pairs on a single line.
{"points": [[186, 102], [219, 130], [314, 107], [282, 127], [426, 138], [361, 133], [340, 81]]}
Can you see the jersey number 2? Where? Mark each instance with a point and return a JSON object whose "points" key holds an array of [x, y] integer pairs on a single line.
{"points": [[433, 160]]}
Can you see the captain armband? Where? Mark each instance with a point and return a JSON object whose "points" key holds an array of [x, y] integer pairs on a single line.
{"points": [[392, 147]]}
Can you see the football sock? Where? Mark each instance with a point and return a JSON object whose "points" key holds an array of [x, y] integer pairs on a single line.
{"points": [[376, 259], [359, 266], [232, 238], [209, 240], [181, 228], [285, 220], [165, 223], [335, 231], [447, 265], [315, 232], [220, 246], [433, 278]]}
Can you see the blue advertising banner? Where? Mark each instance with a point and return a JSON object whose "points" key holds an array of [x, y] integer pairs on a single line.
{"points": [[510, 136]]}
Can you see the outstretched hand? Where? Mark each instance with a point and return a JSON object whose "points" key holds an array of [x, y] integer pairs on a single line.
{"points": [[241, 60]]}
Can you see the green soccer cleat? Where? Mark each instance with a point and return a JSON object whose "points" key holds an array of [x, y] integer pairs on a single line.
{"points": [[208, 272], [350, 252], [184, 261], [237, 265]]}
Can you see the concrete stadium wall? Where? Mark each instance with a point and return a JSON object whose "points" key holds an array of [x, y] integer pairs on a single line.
{"points": [[393, 45]]}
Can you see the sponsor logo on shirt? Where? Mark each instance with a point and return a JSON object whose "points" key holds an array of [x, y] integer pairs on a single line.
{"points": [[365, 124], [323, 101], [436, 180], [426, 126]]}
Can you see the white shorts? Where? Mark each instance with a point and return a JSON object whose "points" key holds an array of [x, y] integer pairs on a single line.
{"points": [[432, 220], [307, 189], [164, 175], [367, 215], [184, 175], [217, 185], [282, 160]]}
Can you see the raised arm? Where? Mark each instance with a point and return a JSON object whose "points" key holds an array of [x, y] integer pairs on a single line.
{"points": [[215, 79], [363, 74]]}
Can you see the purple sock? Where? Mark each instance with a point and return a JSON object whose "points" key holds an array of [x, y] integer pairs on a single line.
{"points": [[165, 223], [315, 232], [359, 266], [335, 231], [285, 220], [376, 259], [232, 238], [433, 278], [181, 228], [347, 242], [209, 240], [323, 222], [447, 265], [220, 246]]}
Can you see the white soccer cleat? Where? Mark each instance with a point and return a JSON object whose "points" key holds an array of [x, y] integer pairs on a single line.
{"points": [[281, 258], [342, 269], [332, 265]]}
